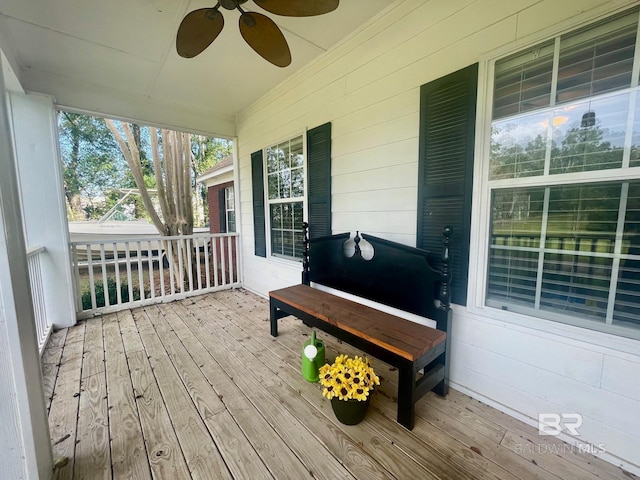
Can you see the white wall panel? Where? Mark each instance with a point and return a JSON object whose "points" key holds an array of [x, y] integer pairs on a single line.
{"points": [[369, 88], [42, 195]]}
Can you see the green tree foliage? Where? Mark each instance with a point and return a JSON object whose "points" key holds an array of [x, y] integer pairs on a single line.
{"points": [[92, 164]]}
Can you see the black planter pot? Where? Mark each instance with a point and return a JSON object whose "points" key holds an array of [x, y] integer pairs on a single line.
{"points": [[350, 412]]}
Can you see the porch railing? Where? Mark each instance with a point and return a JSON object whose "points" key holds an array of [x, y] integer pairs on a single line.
{"points": [[113, 274], [43, 326]]}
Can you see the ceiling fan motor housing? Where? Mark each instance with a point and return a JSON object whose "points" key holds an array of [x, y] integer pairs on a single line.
{"points": [[231, 4]]}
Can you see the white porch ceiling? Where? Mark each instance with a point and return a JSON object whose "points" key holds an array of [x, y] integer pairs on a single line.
{"points": [[118, 57]]}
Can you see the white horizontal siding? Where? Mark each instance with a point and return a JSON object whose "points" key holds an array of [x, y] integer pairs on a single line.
{"points": [[368, 87]]}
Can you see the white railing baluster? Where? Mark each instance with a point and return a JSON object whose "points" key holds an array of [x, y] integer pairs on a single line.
{"points": [[92, 285], [180, 265], [219, 252], [206, 261], [116, 261], [223, 262], [171, 269], [151, 271], [140, 270], [105, 284], [161, 266], [214, 260], [42, 324], [76, 269], [127, 256], [230, 251], [198, 272], [189, 247]]}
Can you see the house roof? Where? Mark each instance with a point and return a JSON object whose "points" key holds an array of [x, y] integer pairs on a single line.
{"points": [[119, 58], [221, 172]]}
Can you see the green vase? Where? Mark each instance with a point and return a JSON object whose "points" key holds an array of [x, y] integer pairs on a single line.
{"points": [[350, 412]]}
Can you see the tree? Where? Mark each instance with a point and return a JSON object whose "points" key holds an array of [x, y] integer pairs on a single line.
{"points": [[172, 158], [92, 163]]}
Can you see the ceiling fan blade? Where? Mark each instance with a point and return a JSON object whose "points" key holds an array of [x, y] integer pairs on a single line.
{"points": [[264, 36], [197, 30], [298, 8]]}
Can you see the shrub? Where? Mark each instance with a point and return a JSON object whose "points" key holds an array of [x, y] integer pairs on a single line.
{"points": [[112, 289]]}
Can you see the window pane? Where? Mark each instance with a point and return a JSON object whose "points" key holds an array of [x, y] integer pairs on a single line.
{"points": [[295, 147], [517, 217], [596, 60], [286, 229], [283, 157], [272, 160], [276, 216], [631, 236], [589, 135], [518, 146], [583, 218], [297, 182], [523, 82], [576, 284], [634, 159], [273, 185], [627, 307], [231, 221], [512, 277]]}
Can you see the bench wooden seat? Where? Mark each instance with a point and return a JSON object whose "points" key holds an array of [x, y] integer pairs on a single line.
{"points": [[391, 274], [402, 337]]}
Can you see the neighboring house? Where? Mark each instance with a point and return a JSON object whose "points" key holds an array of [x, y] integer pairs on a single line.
{"points": [[220, 196], [517, 122]]}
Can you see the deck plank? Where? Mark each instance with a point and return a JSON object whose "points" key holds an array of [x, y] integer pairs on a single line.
{"points": [[387, 441], [93, 456], [128, 454], [296, 436], [226, 400], [200, 452], [63, 415]]}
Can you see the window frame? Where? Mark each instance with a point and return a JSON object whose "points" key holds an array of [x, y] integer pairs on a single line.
{"points": [[229, 193], [279, 258], [621, 338]]}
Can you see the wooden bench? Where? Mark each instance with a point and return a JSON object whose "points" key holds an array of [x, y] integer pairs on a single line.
{"points": [[388, 273]]}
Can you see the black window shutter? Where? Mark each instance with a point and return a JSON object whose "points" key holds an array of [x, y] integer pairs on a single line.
{"points": [[319, 180], [257, 186], [222, 209], [447, 136]]}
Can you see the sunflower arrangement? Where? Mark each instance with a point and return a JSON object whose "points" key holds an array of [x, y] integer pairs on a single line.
{"points": [[348, 378]]}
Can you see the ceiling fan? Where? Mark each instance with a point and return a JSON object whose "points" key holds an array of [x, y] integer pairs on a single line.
{"points": [[200, 28]]}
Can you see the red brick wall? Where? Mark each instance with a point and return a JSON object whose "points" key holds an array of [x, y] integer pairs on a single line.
{"points": [[213, 199]]}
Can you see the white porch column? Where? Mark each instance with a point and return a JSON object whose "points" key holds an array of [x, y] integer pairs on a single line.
{"points": [[44, 216], [25, 446]]}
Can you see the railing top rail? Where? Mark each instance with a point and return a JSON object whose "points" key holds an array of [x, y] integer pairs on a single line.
{"points": [[33, 251], [109, 239]]}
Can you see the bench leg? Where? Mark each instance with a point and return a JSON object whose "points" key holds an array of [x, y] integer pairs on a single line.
{"points": [[273, 318], [406, 390]]}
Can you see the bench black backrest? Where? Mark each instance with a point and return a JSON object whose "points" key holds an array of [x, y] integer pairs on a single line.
{"points": [[397, 275]]}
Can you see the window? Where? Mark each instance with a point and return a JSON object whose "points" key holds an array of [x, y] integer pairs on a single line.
{"points": [[285, 197], [564, 179], [229, 209], [286, 192]]}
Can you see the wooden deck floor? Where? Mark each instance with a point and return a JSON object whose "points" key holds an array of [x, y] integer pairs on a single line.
{"points": [[199, 389]]}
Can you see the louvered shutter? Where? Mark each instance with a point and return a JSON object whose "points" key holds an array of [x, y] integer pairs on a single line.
{"points": [[319, 180], [447, 136], [222, 211], [257, 187]]}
